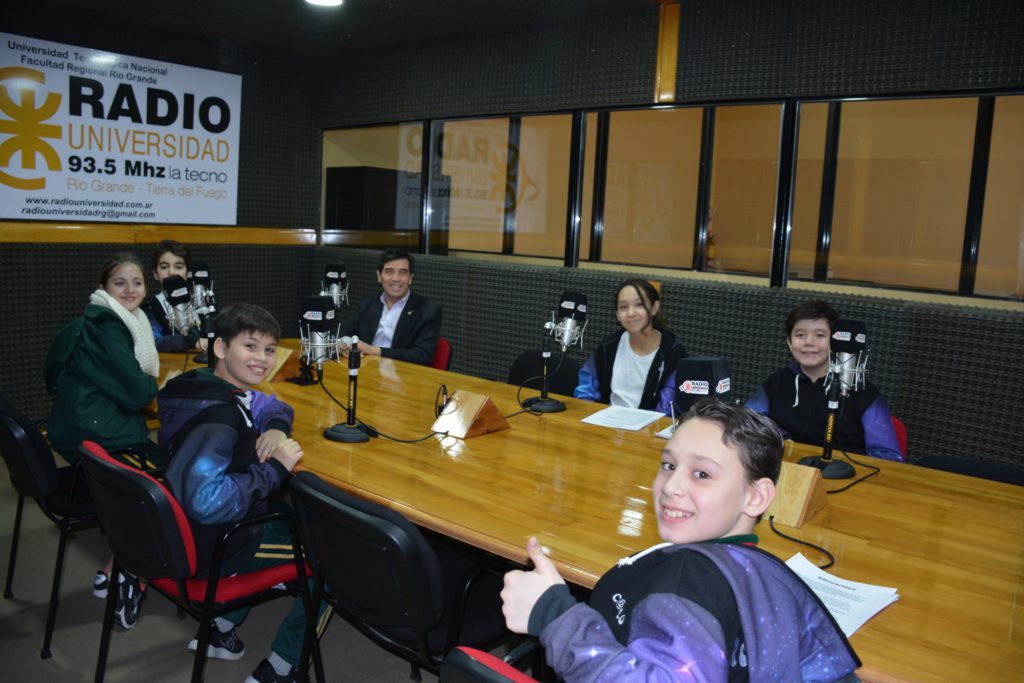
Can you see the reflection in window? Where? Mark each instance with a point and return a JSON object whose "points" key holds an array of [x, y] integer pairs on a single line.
{"points": [[901, 192], [371, 178], [474, 155], [651, 192], [744, 171], [542, 185], [1001, 253], [807, 194]]}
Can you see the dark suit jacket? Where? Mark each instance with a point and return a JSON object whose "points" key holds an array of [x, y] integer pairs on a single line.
{"points": [[416, 334]]}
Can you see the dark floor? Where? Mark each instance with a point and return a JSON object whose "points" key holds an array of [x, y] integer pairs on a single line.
{"points": [[154, 651]]}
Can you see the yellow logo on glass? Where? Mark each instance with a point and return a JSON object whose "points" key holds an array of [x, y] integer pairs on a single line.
{"points": [[24, 123]]}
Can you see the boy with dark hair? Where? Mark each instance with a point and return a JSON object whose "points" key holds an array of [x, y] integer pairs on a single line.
{"points": [[398, 323], [227, 449], [169, 258], [706, 604], [794, 396]]}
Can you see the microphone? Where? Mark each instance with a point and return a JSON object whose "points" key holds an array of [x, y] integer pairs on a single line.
{"points": [[572, 313], [205, 306], [351, 431], [848, 356], [335, 284], [318, 336], [848, 359], [176, 292], [700, 377]]}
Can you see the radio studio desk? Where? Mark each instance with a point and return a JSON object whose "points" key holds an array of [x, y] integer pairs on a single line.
{"points": [[952, 545]]}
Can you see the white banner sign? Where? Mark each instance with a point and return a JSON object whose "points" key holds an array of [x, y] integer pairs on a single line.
{"points": [[87, 135]]}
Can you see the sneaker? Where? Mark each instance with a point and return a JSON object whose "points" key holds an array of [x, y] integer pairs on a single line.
{"points": [[222, 645], [129, 600], [265, 673], [100, 585]]}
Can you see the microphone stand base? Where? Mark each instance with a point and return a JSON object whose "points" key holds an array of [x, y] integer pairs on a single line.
{"points": [[201, 358], [830, 469], [346, 434], [543, 405], [302, 381]]}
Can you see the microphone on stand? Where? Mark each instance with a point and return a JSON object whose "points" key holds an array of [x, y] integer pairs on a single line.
{"points": [[335, 284], [847, 366], [568, 331], [176, 292], [351, 431], [573, 320], [318, 337], [204, 308]]}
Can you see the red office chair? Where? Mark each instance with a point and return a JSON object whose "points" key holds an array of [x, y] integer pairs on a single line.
{"points": [[469, 665], [901, 434], [442, 355], [150, 536], [61, 494]]}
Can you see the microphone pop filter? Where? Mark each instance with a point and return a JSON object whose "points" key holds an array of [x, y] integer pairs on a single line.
{"points": [[701, 377], [200, 275], [317, 314], [848, 336], [334, 273], [176, 290]]}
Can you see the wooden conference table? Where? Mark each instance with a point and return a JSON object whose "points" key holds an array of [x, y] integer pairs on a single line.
{"points": [[951, 545]]}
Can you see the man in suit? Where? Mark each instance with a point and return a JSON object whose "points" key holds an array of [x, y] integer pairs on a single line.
{"points": [[399, 323]]}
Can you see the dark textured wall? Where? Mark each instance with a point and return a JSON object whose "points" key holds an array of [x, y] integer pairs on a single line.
{"points": [[279, 157], [741, 49]]}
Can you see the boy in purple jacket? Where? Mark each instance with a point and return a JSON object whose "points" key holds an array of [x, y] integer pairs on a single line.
{"points": [[705, 605]]}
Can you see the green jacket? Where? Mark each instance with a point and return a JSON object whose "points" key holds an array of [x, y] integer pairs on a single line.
{"points": [[99, 387]]}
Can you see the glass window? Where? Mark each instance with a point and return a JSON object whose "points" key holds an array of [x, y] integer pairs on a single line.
{"points": [[1001, 253], [744, 171], [371, 178], [474, 154], [543, 185], [810, 160], [901, 192], [651, 190]]}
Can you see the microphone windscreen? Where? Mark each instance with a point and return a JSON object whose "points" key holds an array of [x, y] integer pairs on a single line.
{"points": [[701, 377], [200, 275], [176, 290], [848, 336], [317, 314], [573, 305], [335, 273]]}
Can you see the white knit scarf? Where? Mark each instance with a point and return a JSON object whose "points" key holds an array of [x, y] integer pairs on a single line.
{"points": [[138, 324]]}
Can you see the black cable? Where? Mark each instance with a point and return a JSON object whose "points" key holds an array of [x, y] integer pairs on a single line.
{"points": [[519, 402], [853, 483], [370, 430], [830, 556]]}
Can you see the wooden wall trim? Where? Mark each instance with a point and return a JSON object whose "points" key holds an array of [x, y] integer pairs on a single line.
{"points": [[668, 52], [128, 233]]}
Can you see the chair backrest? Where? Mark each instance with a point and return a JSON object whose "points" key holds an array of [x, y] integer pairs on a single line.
{"points": [[901, 434], [469, 665], [442, 355], [148, 531], [563, 371], [27, 455], [378, 568]]}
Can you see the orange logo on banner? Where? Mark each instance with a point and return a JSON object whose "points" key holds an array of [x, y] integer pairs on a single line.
{"points": [[25, 125]]}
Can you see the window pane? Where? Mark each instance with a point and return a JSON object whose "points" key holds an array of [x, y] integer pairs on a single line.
{"points": [[475, 156], [651, 192], [543, 192], [744, 172], [810, 160], [1001, 254], [901, 192], [371, 178]]}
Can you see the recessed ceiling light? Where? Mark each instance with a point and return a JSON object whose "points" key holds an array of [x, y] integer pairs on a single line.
{"points": [[325, 3]]}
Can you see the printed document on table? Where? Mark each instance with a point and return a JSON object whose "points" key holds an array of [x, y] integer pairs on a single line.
{"points": [[850, 603], [617, 417]]}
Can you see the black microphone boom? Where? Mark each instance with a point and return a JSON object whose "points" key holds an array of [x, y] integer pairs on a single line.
{"points": [[352, 431]]}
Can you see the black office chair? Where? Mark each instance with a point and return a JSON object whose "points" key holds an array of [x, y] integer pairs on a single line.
{"points": [[414, 599], [563, 371], [150, 536], [61, 494], [973, 467], [469, 665]]}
